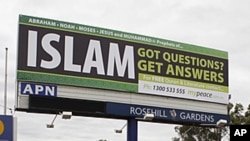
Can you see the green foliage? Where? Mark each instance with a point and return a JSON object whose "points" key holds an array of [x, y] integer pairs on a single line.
{"points": [[194, 133], [238, 116]]}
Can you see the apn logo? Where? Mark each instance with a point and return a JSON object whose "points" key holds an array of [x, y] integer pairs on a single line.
{"points": [[38, 89]]}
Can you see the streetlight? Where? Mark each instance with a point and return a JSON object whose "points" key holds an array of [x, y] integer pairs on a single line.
{"points": [[148, 116], [51, 125], [221, 123], [145, 117], [120, 130], [65, 115]]}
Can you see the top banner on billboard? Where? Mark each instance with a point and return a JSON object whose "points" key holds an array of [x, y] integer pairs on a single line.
{"points": [[63, 53]]}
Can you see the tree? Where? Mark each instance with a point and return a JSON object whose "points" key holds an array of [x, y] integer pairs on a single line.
{"points": [[237, 116], [194, 133], [198, 133], [247, 115]]}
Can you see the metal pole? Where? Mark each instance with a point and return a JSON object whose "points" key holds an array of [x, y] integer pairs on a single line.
{"points": [[5, 82], [132, 130]]}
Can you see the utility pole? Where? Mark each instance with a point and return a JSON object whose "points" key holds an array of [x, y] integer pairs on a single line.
{"points": [[5, 82]]}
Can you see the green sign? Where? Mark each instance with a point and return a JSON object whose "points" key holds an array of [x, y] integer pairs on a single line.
{"points": [[63, 53]]}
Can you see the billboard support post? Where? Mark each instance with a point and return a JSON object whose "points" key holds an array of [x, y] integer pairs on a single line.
{"points": [[132, 130]]}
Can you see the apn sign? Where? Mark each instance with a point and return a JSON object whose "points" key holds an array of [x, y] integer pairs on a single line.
{"points": [[38, 89]]}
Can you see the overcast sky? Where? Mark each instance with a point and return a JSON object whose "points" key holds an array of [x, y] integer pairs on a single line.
{"points": [[218, 24]]}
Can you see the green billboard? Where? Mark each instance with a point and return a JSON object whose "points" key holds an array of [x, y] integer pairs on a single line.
{"points": [[63, 53]]}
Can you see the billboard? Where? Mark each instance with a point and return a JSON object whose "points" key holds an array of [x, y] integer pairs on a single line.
{"points": [[93, 71], [70, 54]]}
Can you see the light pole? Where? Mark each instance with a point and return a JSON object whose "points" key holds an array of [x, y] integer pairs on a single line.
{"points": [[5, 83]]}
